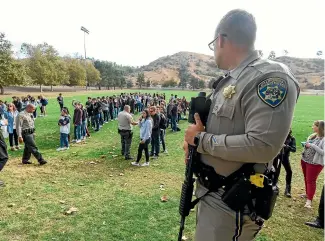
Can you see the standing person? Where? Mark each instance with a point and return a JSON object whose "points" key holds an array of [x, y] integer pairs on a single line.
{"points": [[35, 104], [249, 119], [3, 149], [60, 101], [105, 105], [11, 116], [162, 126], [26, 133], [289, 146], [312, 161], [64, 123], [77, 121], [89, 112], [155, 144], [319, 221], [145, 124], [174, 116], [16, 101], [111, 108], [44, 103], [125, 123], [84, 132]]}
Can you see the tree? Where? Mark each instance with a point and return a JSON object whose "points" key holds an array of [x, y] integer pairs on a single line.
{"points": [[194, 82], [123, 82], [183, 75], [271, 55], [92, 74], [170, 83], [285, 52], [129, 84], [76, 71], [319, 53], [11, 71], [42, 62], [148, 83], [201, 84], [140, 79]]}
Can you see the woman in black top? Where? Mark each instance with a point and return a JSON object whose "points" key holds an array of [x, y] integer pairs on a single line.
{"points": [[289, 146]]}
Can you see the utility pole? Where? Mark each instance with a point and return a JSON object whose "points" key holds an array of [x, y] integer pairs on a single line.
{"points": [[86, 31]]}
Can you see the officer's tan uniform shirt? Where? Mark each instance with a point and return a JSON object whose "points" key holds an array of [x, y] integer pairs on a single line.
{"points": [[25, 121], [124, 121], [244, 127]]}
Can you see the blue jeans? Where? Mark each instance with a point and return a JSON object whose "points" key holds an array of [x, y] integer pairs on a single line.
{"points": [[77, 132], [96, 119], [64, 140], [115, 112], [174, 123], [83, 128]]}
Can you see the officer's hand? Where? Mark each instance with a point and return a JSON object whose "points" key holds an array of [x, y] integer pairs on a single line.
{"points": [[193, 130], [307, 145], [141, 142], [21, 140]]}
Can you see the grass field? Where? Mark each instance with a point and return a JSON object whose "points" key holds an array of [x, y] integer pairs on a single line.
{"points": [[116, 201]]}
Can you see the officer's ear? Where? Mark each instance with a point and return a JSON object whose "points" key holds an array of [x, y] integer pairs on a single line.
{"points": [[221, 41]]}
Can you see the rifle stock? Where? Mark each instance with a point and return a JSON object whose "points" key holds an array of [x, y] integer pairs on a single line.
{"points": [[187, 189]]}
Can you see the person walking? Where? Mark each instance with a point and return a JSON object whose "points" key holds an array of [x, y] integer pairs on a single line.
{"points": [[26, 134]]}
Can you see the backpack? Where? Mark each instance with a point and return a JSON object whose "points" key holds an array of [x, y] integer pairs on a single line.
{"points": [[163, 122], [45, 102]]}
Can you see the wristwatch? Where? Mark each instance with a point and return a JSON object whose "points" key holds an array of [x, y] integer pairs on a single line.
{"points": [[197, 139]]}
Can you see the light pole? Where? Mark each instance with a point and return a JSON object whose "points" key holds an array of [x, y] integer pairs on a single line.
{"points": [[85, 31]]}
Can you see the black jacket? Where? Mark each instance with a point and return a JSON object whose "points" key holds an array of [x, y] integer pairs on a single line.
{"points": [[156, 123]]}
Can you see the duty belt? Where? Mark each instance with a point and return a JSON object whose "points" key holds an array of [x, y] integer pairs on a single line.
{"points": [[207, 176], [28, 131]]}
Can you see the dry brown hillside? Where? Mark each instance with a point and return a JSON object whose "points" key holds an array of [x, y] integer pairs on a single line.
{"points": [[309, 72]]}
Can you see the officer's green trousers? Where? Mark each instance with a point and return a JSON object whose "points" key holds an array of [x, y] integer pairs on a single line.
{"points": [[217, 222], [30, 148]]}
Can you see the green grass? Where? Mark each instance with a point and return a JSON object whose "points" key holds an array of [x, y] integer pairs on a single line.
{"points": [[112, 206]]}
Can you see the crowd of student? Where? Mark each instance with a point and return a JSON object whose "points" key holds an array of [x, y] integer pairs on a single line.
{"points": [[156, 114]]}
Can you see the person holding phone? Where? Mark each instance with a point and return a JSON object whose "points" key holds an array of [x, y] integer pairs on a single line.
{"points": [[145, 123], [312, 161]]}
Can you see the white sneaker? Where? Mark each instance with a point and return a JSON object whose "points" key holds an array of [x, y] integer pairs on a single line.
{"points": [[146, 164], [59, 149], [308, 204], [78, 141], [73, 140], [135, 164], [165, 151]]}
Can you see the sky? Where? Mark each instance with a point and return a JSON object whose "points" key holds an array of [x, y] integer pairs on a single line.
{"points": [[136, 32]]}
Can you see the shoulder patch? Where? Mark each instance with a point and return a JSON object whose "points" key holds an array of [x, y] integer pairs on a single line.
{"points": [[272, 91]]}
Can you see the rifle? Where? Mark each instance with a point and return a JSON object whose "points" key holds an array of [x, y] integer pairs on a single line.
{"points": [[200, 105], [185, 205]]}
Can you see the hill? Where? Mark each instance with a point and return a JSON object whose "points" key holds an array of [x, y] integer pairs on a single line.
{"points": [[308, 71]]}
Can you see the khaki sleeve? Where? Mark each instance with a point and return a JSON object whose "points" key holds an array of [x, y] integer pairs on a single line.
{"points": [[266, 128], [19, 125]]}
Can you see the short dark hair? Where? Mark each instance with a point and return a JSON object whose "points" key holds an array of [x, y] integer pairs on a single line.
{"points": [[239, 26]]}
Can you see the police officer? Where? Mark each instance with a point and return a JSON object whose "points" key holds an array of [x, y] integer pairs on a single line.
{"points": [[3, 149], [25, 130], [250, 116], [125, 123]]}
